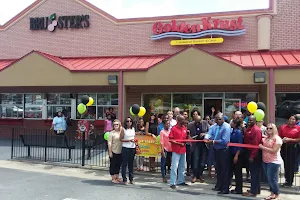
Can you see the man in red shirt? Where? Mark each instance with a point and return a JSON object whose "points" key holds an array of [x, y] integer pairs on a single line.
{"points": [[178, 132], [290, 134], [253, 136]]}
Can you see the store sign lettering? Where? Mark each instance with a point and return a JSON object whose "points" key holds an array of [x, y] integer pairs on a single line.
{"points": [[208, 26], [62, 22]]}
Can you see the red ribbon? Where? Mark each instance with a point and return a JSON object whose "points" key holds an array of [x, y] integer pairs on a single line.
{"points": [[250, 146]]}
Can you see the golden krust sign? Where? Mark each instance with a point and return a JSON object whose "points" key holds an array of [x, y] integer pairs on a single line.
{"points": [[197, 41]]}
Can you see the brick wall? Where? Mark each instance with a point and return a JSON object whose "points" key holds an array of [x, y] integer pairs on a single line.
{"points": [[285, 25], [103, 38], [287, 88]]}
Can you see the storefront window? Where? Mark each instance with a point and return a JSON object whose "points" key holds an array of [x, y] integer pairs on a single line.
{"points": [[236, 101], [106, 103], [58, 102], [102, 103], [156, 103], [33, 106], [286, 104], [11, 105], [188, 102]]}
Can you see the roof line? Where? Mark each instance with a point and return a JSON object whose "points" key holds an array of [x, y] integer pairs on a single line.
{"points": [[142, 19]]}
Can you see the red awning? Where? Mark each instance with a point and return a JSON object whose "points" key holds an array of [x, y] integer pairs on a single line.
{"points": [[5, 63], [276, 59], [264, 59], [112, 63]]}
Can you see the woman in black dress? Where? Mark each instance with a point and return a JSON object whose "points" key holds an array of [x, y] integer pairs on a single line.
{"points": [[151, 129]]}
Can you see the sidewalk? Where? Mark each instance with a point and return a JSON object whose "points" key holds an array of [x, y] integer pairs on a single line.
{"points": [[145, 180]]}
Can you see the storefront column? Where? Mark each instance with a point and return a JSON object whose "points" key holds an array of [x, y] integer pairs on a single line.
{"points": [[120, 96], [271, 96]]}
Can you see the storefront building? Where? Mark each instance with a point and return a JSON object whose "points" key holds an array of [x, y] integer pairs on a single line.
{"points": [[55, 51]]}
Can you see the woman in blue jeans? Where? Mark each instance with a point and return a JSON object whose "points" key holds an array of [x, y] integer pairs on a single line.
{"points": [[270, 147], [128, 149]]}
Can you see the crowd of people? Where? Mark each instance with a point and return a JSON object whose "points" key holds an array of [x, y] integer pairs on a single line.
{"points": [[187, 146]]}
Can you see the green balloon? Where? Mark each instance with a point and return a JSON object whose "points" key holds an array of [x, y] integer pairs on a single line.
{"points": [[259, 115], [106, 136], [158, 139], [81, 108], [130, 110]]}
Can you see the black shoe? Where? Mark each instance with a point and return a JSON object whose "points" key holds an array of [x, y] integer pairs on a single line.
{"points": [[286, 185], [183, 184], [187, 174], [223, 192], [235, 192], [216, 189], [173, 186]]}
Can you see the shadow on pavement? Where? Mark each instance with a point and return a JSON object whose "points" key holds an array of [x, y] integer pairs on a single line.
{"points": [[98, 182]]}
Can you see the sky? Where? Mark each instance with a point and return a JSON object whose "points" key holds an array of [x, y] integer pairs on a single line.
{"points": [[146, 8]]}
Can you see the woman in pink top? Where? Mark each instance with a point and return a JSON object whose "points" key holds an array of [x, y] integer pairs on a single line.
{"points": [[270, 147], [166, 149], [108, 124]]}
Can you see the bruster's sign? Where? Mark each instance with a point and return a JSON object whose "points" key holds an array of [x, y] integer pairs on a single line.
{"points": [[62, 22]]}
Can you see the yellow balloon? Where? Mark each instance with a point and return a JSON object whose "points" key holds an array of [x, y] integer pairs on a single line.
{"points": [[142, 112], [91, 101], [252, 107]]}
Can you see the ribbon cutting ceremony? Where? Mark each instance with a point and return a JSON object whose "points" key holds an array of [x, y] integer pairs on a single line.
{"points": [[149, 99]]}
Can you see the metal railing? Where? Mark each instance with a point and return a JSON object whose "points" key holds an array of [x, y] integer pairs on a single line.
{"points": [[46, 146]]}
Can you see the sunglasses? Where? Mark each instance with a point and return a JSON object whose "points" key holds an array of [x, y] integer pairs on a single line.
{"points": [[116, 124], [269, 128], [219, 119], [128, 121]]}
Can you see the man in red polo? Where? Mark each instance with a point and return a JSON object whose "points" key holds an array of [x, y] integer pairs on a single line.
{"points": [[253, 136], [178, 132]]}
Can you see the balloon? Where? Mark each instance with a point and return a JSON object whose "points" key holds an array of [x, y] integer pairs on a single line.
{"points": [[91, 101], [261, 105], [106, 136], [158, 139], [81, 108], [135, 109], [85, 99], [259, 115], [252, 107], [130, 110], [142, 112]]}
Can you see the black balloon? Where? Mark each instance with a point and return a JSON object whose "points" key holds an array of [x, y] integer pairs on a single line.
{"points": [[85, 99], [135, 109], [261, 105]]}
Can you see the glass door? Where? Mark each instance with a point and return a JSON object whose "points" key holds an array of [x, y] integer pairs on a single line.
{"points": [[231, 105]]}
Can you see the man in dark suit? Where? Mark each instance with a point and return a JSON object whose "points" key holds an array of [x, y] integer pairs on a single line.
{"points": [[198, 129]]}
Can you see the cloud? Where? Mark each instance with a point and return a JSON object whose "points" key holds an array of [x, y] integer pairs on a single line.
{"points": [[9, 9]]}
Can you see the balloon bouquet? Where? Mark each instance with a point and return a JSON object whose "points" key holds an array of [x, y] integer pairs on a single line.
{"points": [[257, 109], [85, 102], [135, 110], [82, 109]]}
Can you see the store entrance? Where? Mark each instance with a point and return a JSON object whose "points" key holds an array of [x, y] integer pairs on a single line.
{"points": [[209, 103]]}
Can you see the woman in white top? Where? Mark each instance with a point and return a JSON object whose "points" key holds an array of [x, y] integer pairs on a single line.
{"points": [[114, 150], [128, 149], [270, 147]]}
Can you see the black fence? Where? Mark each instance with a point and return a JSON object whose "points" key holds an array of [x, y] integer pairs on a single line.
{"points": [[46, 146], [72, 148]]}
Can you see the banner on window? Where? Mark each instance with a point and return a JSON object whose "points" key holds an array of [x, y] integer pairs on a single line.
{"points": [[148, 146]]}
